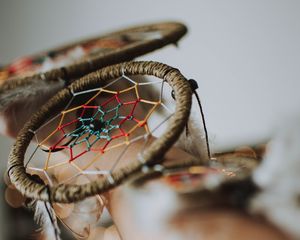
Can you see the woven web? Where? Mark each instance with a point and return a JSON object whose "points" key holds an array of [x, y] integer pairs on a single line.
{"points": [[97, 128], [99, 131]]}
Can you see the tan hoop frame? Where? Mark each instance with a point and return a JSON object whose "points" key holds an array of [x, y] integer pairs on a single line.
{"points": [[66, 193]]}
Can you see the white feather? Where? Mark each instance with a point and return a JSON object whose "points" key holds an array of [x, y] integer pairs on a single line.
{"points": [[47, 220], [279, 179], [152, 207]]}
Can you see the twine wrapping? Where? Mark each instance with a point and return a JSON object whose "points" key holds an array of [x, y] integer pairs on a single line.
{"points": [[67, 193]]}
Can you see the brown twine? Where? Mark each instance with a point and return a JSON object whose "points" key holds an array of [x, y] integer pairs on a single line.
{"points": [[67, 193]]}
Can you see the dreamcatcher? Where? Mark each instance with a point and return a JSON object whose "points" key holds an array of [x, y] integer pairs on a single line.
{"points": [[103, 129], [78, 58], [32, 80]]}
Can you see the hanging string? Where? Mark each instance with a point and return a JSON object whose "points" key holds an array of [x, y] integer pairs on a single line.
{"points": [[194, 87], [53, 221]]}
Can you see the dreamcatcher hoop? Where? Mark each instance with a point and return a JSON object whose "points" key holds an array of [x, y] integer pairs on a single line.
{"points": [[67, 193], [147, 38]]}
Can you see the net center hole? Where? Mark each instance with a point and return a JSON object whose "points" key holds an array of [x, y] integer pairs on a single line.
{"points": [[97, 125]]}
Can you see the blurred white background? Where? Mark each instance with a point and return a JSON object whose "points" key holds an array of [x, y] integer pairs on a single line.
{"points": [[245, 55]]}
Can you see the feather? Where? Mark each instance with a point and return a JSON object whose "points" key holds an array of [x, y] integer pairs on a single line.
{"points": [[18, 104], [279, 180], [150, 210], [32, 91], [194, 142], [45, 216]]}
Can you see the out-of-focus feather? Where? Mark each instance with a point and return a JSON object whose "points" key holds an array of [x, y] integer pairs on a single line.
{"points": [[279, 180], [17, 105], [150, 209]]}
